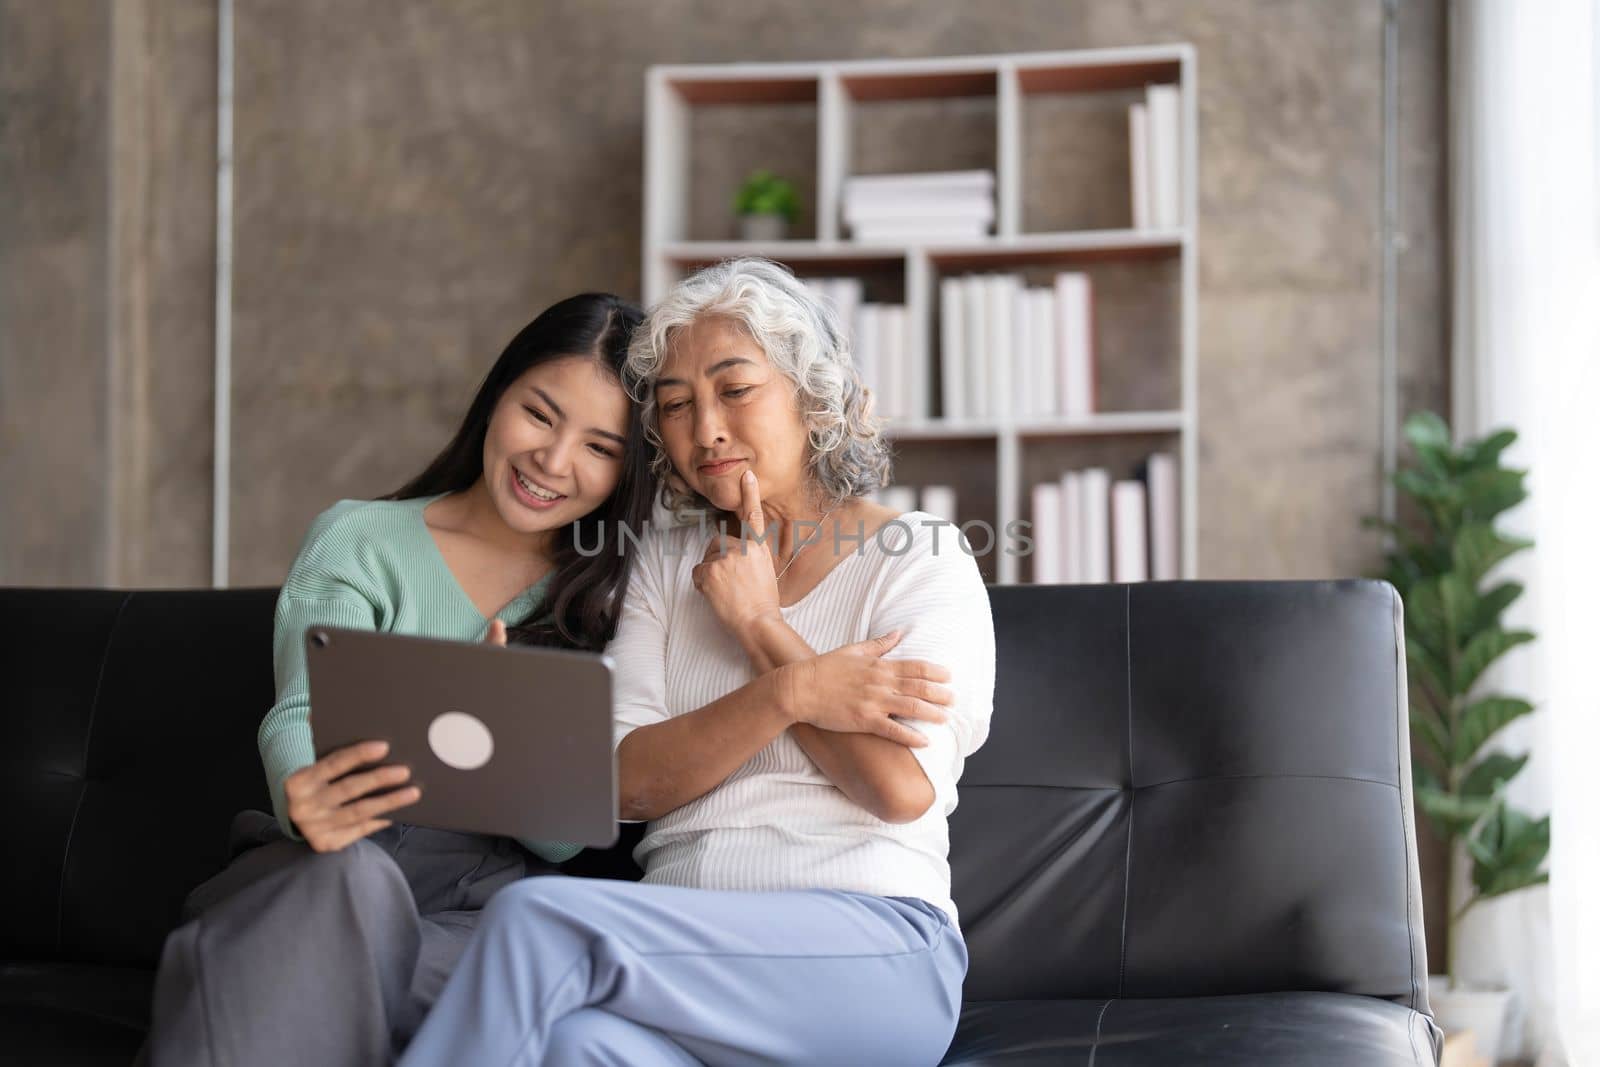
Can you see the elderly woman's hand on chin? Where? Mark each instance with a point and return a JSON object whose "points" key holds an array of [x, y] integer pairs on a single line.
{"points": [[737, 576], [852, 689]]}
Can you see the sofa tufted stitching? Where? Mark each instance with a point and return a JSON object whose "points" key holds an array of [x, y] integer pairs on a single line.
{"points": [[1127, 859], [965, 786], [1284, 775], [1401, 718], [1287, 776], [1024, 878], [1098, 1019], [1411, 1035], [83, 785]]}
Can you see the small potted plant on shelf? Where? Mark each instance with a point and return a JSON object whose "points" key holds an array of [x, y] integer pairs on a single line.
{"points": [[1441, 567], [766, 205]]}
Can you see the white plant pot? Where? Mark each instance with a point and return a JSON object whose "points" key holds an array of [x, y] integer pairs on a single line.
{"points": [[763, 227], [1481, 1011]]}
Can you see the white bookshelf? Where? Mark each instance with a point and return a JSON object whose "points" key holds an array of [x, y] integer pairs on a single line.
{"points": [[837, 90]]}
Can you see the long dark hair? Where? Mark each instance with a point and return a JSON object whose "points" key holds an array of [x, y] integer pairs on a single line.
{"points": [[585, 594]]}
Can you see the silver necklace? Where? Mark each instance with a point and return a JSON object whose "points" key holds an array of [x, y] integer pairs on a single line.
{"points": [[796, 554]]}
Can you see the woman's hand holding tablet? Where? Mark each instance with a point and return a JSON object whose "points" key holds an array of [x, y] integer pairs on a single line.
{"points": [[333, 808]]}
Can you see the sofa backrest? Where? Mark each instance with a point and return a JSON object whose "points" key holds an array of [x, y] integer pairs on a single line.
{"points": [[1188, 789], [130, 741], [1192, 788]]}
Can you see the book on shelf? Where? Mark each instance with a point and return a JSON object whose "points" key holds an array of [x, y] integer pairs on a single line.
{"points": [[1130, 539], [976, 333], [1139, 163], [1011, 351], [924, 183], [919, 208], [867, 336], [1072, 566], [1033, 350], [1046, 366], [952, 349], [937, 500], [963, 205], [1088, 527], [1025, 373], [844, 296], [1075, 344], [1155, 157], [918, 373], [1094, 524], [917, 231], [999, 300], [893, 373], [1166, 194], [886, 362], [940, 502], [1048, 535], [898, 498], [1161, 480]]}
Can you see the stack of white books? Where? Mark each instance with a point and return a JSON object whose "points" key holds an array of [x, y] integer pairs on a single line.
{"points": [[1156, 159], [919, 208], [880, 341], [886, 362], [1088, 528], [1010, 351]]}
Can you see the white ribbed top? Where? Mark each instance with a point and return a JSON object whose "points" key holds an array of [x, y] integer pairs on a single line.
{"points": [[777, 823]]}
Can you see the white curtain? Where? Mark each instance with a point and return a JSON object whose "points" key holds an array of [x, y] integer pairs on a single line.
{"points": [[1525, 179]]}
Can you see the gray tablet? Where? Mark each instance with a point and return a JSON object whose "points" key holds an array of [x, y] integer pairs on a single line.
{"points": [[513, 741]]}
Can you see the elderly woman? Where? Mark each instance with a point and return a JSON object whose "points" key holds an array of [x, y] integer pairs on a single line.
{"points": [[796, 694]]}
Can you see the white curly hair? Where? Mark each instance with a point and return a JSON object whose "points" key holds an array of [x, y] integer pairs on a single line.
{"points": [[804, 339]]}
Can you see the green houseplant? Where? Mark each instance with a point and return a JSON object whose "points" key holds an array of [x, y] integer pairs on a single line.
{"points": [[1442, 566], [766, 205]]}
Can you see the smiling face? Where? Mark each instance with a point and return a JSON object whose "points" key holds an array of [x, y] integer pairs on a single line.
{"points": [[554, 448], [723, 408]]}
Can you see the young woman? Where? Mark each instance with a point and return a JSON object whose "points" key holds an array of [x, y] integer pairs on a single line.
{"points": [[329, 941]]}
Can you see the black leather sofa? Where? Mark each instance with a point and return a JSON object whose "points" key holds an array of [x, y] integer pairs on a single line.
{"points": [[1187, 841]]}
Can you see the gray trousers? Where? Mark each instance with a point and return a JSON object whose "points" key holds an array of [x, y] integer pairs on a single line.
{"points": [[290, 956]]}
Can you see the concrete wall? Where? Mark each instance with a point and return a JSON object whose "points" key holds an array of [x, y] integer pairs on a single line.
{"points": [[416, 180], [162, 290], [107, 231], [54, 70]]}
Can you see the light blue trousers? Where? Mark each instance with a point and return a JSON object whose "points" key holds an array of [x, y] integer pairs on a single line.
{"points": [[565, 971]]}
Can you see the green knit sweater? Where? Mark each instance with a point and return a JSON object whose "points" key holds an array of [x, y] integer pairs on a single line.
{"points": [[369, 565]]}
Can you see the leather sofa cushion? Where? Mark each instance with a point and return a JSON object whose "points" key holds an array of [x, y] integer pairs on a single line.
{"points": [[1250, 1030], [64, 1013]]}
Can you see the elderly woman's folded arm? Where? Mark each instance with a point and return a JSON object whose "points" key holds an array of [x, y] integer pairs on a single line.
{"points": [[875, 772], [666, 765]]}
